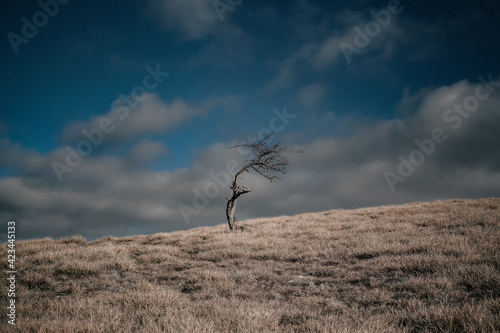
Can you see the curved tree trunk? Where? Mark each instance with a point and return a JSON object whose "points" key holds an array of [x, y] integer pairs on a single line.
{"points": [[231, 207], [231, 202]]}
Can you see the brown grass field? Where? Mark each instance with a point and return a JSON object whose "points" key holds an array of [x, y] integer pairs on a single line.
{"points": [[421, 267]]}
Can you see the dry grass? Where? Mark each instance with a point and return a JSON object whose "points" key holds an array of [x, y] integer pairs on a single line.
{"points": [[423, 267]]}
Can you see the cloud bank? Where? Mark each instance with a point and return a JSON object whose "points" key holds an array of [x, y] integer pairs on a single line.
{"points": [[122, 194]]}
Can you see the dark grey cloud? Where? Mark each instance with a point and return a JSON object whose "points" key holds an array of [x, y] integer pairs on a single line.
{"points": [[146, 152]]}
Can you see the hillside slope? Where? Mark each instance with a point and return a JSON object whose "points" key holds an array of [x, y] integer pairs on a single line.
{"points": [[422, 267]]}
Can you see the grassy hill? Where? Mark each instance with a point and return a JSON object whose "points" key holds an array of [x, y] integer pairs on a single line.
{"points": [[422, 267]]}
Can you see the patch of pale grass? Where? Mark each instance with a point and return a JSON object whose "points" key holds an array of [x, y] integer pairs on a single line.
{"points": [[421, 267]]}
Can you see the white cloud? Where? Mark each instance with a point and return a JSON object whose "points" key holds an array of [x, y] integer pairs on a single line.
{"points": [[154, 116], [149, 116]]}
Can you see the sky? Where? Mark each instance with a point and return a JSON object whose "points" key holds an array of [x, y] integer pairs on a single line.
{"points": [[116, 115]]}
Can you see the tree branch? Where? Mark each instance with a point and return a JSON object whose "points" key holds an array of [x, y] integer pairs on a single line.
{"points": [[266, 160]]}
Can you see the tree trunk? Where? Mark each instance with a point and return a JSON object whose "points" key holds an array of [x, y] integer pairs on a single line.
{"points": [[231, 207], [231, 202]]}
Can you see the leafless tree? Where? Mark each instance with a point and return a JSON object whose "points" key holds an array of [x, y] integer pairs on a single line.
{"points": [[266, 159]]}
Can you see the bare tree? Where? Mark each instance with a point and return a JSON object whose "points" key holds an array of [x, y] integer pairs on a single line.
{"points": [[266, 160]]}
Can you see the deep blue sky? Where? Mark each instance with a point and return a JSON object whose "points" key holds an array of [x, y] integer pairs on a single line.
{"points": [[225, 77]]}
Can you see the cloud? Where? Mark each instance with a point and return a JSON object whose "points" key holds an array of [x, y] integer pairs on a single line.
{"points": [[151, 116], [193, 19], [290, 68], [320, 50], [108, 196], [18, 159], [328, 52], [146, 152], [311, 94], [230, 48], [348, 172]]}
